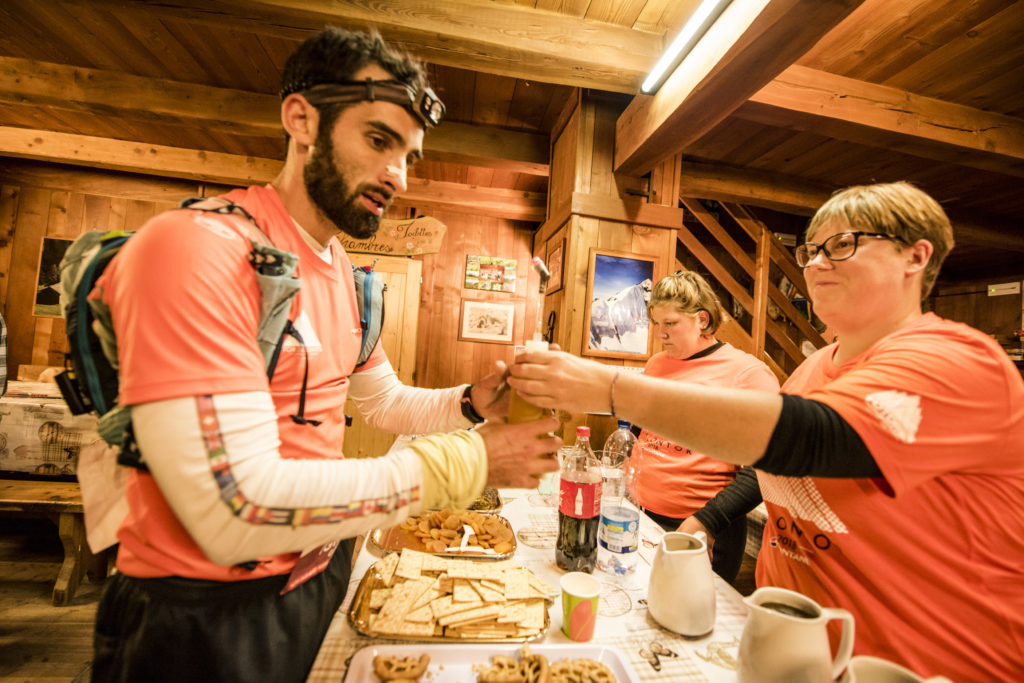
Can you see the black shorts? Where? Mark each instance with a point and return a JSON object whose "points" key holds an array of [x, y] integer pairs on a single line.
{"points": [[175, 629]]}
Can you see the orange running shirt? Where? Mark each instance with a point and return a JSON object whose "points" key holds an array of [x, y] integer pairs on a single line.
{"points": [[675, 481], [930, 558], [185, 305]]}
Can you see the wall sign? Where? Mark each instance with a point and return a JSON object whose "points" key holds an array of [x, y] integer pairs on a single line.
{"points": [[407, 237]]}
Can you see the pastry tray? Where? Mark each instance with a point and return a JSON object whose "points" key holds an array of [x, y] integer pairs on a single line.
{"points": [[454, 663], [360, 611], [395, 539]]}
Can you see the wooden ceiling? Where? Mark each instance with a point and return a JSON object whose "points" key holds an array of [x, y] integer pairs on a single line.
{"points": [[777, 109]]}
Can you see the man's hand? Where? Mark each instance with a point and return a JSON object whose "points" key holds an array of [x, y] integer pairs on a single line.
{"points": [[692, 525], [517, 455], [490, 394]]}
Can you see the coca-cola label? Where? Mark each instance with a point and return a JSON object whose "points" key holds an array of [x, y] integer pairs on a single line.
{"points": [[581, 500]]}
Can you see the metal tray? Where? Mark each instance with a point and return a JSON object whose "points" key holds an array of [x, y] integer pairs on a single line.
{"points": [[394, 539], [453, 663], [360, 611]]}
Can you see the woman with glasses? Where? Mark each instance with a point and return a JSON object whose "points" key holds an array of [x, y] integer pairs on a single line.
{"points": [[673, 481], [892, 465]]}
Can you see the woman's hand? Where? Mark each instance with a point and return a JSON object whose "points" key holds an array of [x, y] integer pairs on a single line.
{"points": [[555, 379]]}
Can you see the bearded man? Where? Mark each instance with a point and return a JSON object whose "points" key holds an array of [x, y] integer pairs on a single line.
{"points": [[236, 552]]}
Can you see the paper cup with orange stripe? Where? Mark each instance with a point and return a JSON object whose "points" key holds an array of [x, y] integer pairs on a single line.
{"points": [[579, 605]]}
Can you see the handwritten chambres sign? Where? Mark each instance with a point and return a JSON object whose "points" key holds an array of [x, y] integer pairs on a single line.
{"points": [[408, 237]]}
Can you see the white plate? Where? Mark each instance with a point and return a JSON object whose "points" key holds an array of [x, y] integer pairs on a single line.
{"points": [[454, 663]]}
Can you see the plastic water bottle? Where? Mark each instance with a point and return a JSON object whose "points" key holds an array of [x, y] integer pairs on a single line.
{"points": [[616, 461], [618, 535]]}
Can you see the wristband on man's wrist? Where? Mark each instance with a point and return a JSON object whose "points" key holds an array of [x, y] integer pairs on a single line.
{"points": [[466, 403]]}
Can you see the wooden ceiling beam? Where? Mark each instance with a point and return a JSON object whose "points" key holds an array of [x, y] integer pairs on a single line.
{"points": [[750, 44], [802, 197], [98, 92], [232, 169], [880, 116], [496, 38]]}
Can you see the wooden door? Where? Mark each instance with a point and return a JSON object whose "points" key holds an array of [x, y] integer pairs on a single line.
{"points": [[401, 318]]}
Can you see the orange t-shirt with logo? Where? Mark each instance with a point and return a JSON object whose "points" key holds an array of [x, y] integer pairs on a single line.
{"points": [[185, 305], [929, 559], [675, 481]]}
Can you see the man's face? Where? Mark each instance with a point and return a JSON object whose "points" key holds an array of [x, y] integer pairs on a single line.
{"points": [[357, 168]]}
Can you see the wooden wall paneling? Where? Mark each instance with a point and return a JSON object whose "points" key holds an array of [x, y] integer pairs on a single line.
{"points": [[602, 137], [584, 235], [30, 227], [9, 195], [562, 179]]}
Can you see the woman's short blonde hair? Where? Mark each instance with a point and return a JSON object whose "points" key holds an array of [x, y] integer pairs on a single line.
{"points": [[897, 209], [689, 293]]}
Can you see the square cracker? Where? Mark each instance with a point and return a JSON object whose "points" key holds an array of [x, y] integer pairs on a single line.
{"points": [[517, 585], [386, 568], [378, 596], [410, 564]]}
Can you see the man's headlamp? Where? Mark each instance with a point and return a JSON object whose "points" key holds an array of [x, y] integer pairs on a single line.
{"points": [[424, 105]]}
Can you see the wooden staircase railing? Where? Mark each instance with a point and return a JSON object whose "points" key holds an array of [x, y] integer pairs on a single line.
{"points": [[767, 253]]}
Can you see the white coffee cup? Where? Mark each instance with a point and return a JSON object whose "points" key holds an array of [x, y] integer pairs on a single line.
{"points": [[864, 669]]}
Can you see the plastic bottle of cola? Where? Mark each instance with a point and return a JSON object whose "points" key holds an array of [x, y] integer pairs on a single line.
{"points": [[579, 507]]}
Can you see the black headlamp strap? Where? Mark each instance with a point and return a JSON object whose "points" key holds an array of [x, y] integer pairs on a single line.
{"points": [[425, 106]]}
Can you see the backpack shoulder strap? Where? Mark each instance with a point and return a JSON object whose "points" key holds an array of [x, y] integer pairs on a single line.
{"points": [[275, 274], [370, 288]]}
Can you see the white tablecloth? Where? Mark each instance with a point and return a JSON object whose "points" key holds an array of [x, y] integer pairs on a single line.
{"points": [[622, 622]]}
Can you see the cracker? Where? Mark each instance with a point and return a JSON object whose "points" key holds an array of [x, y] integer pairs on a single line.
{"points": [[463, 591], [410, 564], [476, 614], [517, 586], [386, 568], [378, 596]]}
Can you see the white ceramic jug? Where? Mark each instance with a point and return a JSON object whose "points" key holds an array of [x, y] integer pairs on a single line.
{"points": [[681, 593], [785, 639]]}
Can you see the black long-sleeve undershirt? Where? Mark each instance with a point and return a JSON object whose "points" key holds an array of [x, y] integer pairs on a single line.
{"points": [[810, 439]]}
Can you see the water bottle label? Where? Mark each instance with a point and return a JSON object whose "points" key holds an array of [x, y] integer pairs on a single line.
{"points": [[581, 500], [620, 530]]}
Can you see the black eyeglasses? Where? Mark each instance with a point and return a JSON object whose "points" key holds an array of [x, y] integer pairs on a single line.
{"points": [[838, 247]]}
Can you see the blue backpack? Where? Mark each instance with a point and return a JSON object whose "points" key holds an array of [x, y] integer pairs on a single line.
{"points": [[90, 381]]}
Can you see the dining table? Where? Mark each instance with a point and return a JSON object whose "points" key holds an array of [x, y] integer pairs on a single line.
{"points": [[623, 622]]}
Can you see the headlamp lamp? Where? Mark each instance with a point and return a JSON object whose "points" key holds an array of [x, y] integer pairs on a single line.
{"points": [[425, 105]]}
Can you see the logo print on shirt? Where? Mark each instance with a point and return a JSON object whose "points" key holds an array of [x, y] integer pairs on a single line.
{"points": [[309, 338], [801, 497], [900, 413]]}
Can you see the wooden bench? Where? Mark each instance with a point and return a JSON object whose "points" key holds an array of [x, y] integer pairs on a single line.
{"points": [[61, 501]]}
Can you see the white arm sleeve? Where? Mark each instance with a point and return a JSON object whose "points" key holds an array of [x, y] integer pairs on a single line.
{"points": [[304, 503], [388, 404]]}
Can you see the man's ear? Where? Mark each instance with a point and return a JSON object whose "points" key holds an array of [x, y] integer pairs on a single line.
{"points": [[300, 119], [919, 254]]}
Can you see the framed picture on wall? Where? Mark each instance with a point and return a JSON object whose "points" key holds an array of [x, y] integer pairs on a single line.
{"points": [[490, 273], [555, 256], [48, 278], [486, 321], [618, 289]]}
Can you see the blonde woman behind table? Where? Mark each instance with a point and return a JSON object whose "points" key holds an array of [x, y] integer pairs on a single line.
{"points": [[675, 482], [892, 465]]}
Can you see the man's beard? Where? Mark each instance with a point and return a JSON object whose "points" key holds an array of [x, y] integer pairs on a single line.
{"points": [[330, 192]]}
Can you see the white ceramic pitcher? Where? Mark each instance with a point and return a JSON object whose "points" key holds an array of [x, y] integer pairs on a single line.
{"points": [[785, 639], [681, 592]]}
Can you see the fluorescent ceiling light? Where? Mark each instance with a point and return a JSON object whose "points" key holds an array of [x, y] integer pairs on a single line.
{"points": [[692, 32]]}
